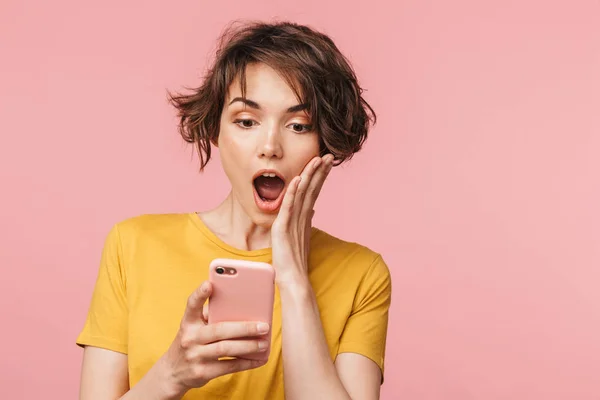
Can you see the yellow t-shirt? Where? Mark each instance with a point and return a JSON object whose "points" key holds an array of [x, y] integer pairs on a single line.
{"points": [[152, 263]]}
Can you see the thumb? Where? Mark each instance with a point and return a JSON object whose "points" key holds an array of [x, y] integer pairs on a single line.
{"points": [[205, 312], [195, 304]]}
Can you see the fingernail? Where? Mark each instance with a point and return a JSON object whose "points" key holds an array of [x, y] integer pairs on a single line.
{"points": [[262, 345], [204, 287], [262, 327]]}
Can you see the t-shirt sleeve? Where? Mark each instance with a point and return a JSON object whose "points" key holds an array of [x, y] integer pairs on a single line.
{"points": [[366, 329], [106, 322]]}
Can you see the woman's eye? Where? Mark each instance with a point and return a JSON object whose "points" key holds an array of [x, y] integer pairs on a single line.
{"points": [[300, 128], [244, 123]]}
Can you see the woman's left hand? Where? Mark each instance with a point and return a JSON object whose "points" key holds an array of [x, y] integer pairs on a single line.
{"points": [[290, 232]]}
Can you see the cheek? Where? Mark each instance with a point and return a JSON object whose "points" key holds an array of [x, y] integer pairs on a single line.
{"points": [[234, 156], [227, 152], [310, 147], [229, 148], [304, 152]]}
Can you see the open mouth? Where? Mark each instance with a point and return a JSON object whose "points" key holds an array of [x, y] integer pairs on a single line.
{"points": [[268, 190]]}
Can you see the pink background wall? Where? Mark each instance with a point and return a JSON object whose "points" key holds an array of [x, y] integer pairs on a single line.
{"points": [[480, 185]]}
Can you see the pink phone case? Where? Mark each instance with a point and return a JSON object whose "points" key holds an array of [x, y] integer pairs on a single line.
{"points": [[246, 295]]}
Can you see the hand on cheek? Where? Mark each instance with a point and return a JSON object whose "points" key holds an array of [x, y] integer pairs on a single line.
{"points": [[290, 233]]}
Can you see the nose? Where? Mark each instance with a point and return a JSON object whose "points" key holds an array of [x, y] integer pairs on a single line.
{"points": [[270, 143]]}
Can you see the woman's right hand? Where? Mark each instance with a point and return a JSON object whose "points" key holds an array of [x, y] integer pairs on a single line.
{"points": [[192, 360]]}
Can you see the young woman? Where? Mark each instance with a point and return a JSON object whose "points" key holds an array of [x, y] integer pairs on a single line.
{"points": [[283, 106]]}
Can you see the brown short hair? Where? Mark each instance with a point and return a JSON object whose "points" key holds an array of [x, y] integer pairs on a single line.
{"points": [[320, 75]]}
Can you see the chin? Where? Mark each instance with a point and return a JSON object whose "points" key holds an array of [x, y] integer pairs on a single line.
{"points": [[264, 220]]}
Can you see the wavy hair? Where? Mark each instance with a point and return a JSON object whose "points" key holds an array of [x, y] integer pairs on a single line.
{"points": [[318, 73]]}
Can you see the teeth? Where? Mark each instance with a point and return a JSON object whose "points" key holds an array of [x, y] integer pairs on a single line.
{"points": [[269, 175]]}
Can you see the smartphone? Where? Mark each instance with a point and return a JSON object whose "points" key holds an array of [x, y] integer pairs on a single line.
{"points": [[242, 291]]}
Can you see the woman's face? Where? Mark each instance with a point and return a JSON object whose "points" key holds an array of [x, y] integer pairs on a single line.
{"points": [[264, 141]]}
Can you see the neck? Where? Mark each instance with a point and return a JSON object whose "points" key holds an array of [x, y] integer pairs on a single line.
{"points": [[231, 224]]}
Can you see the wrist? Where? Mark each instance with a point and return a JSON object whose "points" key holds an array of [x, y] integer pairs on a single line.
{"points": [[167, 382], [294, 284], [300, 290]]}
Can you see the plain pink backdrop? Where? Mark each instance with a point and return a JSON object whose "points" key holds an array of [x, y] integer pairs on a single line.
{"points": [[480, 185]]}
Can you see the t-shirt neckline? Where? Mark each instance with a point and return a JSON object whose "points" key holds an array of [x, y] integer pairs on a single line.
{"points": [[210, 235]]}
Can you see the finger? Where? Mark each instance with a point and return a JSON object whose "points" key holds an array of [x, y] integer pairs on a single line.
{"points": [[205, 312], [195, 304], [307, 174], [231, 330], [287, 204], [232, 348], [316, 184], [215, 369]]}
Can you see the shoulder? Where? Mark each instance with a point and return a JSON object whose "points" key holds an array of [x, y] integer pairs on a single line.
{"points": [[153, 221], [147, 226], [348, 257]]}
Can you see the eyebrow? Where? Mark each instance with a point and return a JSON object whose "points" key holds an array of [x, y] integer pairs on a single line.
{"points": [[255, 105]]}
